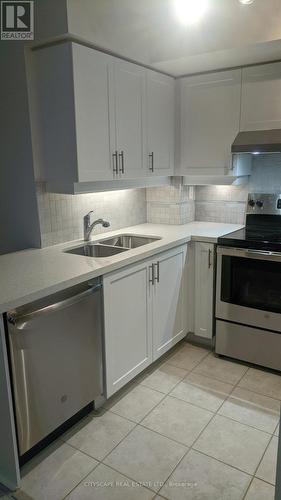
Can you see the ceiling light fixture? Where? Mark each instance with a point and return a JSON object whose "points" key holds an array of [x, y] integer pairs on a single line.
{"points": [[190, 11], [246, 2]]}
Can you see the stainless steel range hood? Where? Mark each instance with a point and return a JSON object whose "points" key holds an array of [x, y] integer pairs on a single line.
{"points": [[257, 141]]}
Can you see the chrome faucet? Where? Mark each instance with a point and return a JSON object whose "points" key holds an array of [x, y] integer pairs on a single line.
{"points": [[88, 227]]}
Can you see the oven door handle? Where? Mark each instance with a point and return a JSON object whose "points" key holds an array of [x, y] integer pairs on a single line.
{"points": [[249, 253], [265, 253]]}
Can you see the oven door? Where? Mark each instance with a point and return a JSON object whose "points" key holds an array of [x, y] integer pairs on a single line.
{"points": [[249, 287]]}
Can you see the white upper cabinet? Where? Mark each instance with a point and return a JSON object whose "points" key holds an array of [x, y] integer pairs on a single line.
{"points": [[127, 92], [261, 97], [160, 111], [209, 115], [70, 90], [98, 118]]}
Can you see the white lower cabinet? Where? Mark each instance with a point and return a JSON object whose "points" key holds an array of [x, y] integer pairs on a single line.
{"points": [[204, 289], [168, 325], [127, 325], [144, 315]]}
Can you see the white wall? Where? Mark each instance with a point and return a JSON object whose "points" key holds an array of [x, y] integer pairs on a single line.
{"points": [[19, 223]]}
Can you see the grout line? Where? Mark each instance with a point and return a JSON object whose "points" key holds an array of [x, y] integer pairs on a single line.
{"points": [[83, 479], [115, 470], [249, 486], [165, 396], [254, 475]]}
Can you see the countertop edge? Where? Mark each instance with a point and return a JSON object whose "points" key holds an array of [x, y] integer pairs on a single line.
{"points": [[44, 292], [125, 260]]}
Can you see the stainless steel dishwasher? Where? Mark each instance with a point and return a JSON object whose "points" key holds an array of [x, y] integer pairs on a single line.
{"points": [[56, 359]]}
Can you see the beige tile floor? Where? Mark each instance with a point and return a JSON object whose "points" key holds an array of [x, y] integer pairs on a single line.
{"points": [[193, 426]]}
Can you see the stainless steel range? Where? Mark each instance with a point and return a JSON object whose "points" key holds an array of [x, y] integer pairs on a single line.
{"points": [[248, 298]]}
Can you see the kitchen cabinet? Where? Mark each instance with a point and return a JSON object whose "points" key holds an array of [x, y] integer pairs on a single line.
{"points": [[209, 114], [168, 325], [160, 110], [127, 92], [98, 118], [70, 113], [204, 289], [261, 97], [144, 315], [127, 325]]}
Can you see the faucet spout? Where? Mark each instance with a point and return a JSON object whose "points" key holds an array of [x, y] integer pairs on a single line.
{"points": [[88, 227]]}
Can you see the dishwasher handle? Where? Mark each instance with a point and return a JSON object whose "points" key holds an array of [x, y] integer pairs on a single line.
{"points": [[22, 322]]}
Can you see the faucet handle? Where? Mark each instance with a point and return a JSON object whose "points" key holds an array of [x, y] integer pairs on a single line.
{"points": [[88, 215]]}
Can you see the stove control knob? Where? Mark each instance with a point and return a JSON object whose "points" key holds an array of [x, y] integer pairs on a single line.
{"points": [[259, 203], [251, 203]]}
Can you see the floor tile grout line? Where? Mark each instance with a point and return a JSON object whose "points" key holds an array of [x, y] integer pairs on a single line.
{"points": [[222, 462], [262, 480], [102, 461], [254, 475], [216, 413], [165, 395], [128, 477], [242, 424], [249, 486], [190, 446], [83, 478], [188, 450], [271, 439], [115, 470], [220, 414]]}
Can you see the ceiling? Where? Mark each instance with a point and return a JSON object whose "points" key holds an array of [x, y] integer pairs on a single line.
{"points": [[147, 31]]}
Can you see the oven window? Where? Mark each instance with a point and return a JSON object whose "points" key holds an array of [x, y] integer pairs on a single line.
{"points": [[251, 283]]}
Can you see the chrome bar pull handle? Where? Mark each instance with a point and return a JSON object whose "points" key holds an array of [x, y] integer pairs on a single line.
{"points": [[151, 157], [157, 276], [152, 278], [209, 258], [115, 162], [121, 160]]}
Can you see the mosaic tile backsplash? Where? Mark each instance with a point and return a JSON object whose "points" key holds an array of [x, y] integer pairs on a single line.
{"points": [[170, 204], [61, 216], [228, 203]]}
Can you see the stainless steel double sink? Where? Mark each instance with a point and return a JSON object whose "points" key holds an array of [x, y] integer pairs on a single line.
{"points": [[112, 246]]}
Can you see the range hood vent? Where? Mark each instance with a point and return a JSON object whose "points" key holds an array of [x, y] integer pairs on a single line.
{"points": [[257, 141]]}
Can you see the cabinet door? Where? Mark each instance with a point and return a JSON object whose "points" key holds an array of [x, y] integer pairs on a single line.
{"points": [[261, 97], [127, 325], [127, 91], [210, 114], [168, 324], [160, 109], [90, 74], [70, 114], [204, 289]]}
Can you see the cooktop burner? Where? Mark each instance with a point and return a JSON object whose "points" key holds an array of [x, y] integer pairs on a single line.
{"points": [[263, 225]]}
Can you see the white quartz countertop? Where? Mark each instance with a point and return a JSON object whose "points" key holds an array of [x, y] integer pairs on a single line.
{"points": [[35, 273]]}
